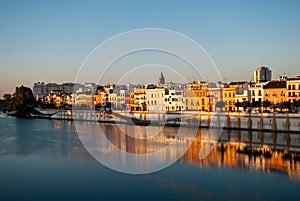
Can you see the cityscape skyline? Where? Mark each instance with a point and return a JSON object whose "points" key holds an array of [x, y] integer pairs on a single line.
{"points": [[49, 40]]}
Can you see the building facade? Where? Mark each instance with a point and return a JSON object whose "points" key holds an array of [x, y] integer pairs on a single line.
{"points": [[155, 99], [293, 89], [138, 100], [229, 98], [275, 92], [262, 74], [196, 96], [174, 100], [215, 94], [256, 93]]}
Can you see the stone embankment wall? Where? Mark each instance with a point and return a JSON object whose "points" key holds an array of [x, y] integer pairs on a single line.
{"points": [[281, 122]]}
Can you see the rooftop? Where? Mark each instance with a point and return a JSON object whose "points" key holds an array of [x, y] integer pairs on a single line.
{"points": [[275, 84]]}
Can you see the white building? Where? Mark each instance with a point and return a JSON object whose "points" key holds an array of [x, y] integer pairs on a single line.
{"points": [[293, 89], [256, 92], [112, 98], [173, 100], [215, 95], [155, 99], [121, 102], [242, 94], [67, 88], [39, 90]]}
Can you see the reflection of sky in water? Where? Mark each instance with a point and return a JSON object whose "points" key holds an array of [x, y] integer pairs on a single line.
{"points": [[50, 164]]}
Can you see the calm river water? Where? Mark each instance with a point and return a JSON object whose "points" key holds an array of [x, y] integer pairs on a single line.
{"points": [[44, 160]]}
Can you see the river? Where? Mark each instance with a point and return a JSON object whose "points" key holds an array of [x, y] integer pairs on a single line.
{"points": [[44, 159]]}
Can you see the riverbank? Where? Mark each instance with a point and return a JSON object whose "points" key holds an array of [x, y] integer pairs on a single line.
{"points": [[274, 122]]}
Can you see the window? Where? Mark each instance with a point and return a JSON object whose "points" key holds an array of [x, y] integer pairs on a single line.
{"points": [[202, 101], [253, 93], [289, 87], [293, 87], [259, 92]]}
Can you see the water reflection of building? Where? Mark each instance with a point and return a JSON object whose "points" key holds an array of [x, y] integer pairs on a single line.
{"points": [[255, 151], [280, 157]]}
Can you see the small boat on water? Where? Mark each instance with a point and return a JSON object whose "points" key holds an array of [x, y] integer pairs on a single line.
{"points": [[139, 122]]}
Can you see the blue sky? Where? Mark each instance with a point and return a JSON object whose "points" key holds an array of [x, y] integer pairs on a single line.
{"points": [[48, 40]]}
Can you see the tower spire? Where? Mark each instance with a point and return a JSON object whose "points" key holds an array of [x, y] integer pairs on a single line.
{"points": [[161, 78]]}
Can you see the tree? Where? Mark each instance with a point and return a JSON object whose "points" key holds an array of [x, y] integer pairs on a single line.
{"points": [[108, 106], [245, 105], [98, 106], [2, 105], [286, 105], [7, 97], [23, 101], [238, 105], [266, 104], [7, 102], [295, 105], [220, 104], [255, 104]]}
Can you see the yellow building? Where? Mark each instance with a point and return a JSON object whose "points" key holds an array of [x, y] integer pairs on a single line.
{"points": [[275, 92], [138, 100], [196, 96], [229, 98]]}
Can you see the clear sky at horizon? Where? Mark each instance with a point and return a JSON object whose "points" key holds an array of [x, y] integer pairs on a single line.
{"points": [[49, 40]]}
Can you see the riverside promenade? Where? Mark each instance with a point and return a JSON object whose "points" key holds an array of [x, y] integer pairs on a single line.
{"points": [[276, 122]]}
